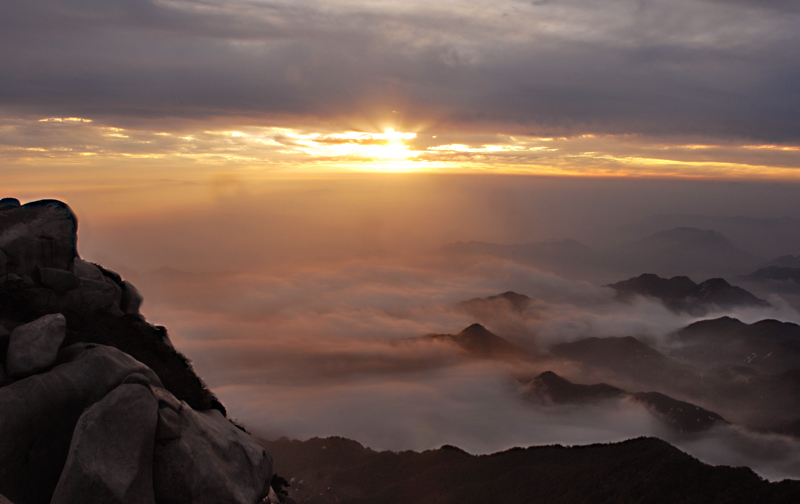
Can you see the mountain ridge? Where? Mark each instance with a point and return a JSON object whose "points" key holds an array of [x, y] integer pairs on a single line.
{"points": [[338, 470]]}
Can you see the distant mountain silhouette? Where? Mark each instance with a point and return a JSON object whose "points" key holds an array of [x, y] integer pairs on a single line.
{"points": [[685, 250], [781, 277], [517, 301], [769, 345], [629, 359], [495, 307], [560, 390], [786, 261], [681, 294], [765, 237], [681, 416], [682, 250], [782, 280], [787, 275], [341, 471], [525, 252], [482, 343], [749, 373], [566, 257]]}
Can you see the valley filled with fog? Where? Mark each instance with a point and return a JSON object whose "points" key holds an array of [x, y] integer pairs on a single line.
{"points": [[307, 322]]}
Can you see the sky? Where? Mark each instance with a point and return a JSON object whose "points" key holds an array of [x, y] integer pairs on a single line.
{"points": [[278, 178], [688, 88]]}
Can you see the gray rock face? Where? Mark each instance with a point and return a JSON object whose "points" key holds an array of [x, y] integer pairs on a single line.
{"points": [[87, 270], [169, 424], [89, 423], [210, 462], [92, 295], [41, 233], [111, 455], [34, 347], [5, 335], [38, 415], [131, 299], [59, 280]]}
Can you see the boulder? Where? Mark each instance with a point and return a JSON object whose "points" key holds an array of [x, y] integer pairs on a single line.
{"points": [[14, 281], [111, 455], [39, 300], [169, 424], [5, 335], [87, 270], [93, 295], [59, 280], [3, 500], [7, 203], [38, 415], [166, 399], [137, 378], [131, 299], [211, 461], [41, 233], [34, 347]]}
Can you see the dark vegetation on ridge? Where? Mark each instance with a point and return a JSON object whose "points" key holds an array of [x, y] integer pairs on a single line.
{"points": [[341, 471]]}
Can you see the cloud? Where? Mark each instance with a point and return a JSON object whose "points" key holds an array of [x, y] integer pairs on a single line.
{"points": [[298, 300], [334, 352], [51, 140], [701, 68]]}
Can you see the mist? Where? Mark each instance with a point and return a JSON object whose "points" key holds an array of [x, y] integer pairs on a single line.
{"points": [[302, 302]]}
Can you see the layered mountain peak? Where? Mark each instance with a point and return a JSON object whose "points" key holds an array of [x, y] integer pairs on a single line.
{"points": [[480, 342], [681, 294]]}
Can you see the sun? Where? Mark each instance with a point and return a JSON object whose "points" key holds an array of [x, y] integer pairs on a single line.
{"points": [[386, 151]]}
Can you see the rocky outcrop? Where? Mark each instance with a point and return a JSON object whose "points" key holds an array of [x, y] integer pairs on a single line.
{"points": [[111, 455], [209, 461], [34, 347], [41, 234], [96, 405], [38, 415]]}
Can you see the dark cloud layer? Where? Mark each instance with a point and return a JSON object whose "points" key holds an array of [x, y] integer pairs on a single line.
{"points": [[691, 67]]}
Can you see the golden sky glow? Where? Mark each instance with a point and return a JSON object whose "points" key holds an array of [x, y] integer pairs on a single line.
{"points": [[72, 141]]}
